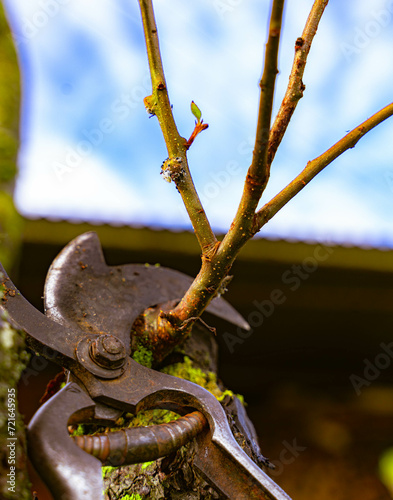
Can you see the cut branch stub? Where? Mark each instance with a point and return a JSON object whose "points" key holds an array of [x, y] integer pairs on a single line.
{"points": [[153, 332]]}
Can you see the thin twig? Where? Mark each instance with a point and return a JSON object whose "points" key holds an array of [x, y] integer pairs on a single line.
{"points": [[295, 87], [318, 164], [158, 104], [258, 173]]}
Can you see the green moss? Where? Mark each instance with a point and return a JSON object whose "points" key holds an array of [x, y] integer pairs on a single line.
{"points": [[13, 356], [228, 392], [188, 371], [80, 430], [241, 397], [11, 340], [107, 470], [9, 103], [152, 417], [143, 356], [184, 370], [9, 80], [386, 468], [13, 359], [145, 465]]}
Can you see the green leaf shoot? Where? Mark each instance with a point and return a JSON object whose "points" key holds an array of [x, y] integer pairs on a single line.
{"points": [[196, 111]]}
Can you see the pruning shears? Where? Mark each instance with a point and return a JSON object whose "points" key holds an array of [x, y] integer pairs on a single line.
{"points": [[90, 309]]}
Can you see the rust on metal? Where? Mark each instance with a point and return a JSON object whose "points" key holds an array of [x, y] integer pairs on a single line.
{"points": [[142, 444]]}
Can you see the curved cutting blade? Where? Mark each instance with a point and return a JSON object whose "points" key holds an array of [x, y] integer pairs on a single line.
{"points": [[49, 338], [80, 287]]}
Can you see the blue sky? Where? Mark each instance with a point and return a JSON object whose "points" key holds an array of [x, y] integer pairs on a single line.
{"points": [[90, 152]]}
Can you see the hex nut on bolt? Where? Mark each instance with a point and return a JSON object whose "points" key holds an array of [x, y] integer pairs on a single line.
{"points": [[107, 351]]}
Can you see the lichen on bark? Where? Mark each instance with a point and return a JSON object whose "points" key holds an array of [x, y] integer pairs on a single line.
{"points": [[13, 360]]}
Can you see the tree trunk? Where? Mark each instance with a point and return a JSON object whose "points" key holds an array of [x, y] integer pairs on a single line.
{"points": [[14, 483]]}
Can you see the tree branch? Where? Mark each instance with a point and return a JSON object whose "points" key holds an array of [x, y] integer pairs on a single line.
{"points": [[295, 87], [216, 266], [176, 167], [258, 173], [318, 164]]}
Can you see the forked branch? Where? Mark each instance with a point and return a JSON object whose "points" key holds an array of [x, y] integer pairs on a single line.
{"points": [[173, 323], [216, 266]]}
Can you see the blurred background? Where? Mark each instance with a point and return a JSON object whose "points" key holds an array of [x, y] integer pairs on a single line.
{"points": [[89, 151], [316, 370]]}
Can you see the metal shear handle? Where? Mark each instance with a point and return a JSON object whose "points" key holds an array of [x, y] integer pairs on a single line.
{"points": [[72, 474], [219, 458]]}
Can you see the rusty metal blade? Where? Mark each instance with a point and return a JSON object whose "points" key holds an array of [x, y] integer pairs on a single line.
{"points": [[43, 335], [230, 476], [80, 285]]}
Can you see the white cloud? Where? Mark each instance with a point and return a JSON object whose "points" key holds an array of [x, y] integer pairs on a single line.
{"points": [[50, 186]]}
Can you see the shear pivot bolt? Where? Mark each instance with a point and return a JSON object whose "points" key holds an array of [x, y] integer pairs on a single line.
{"points": [[108, 351]]}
